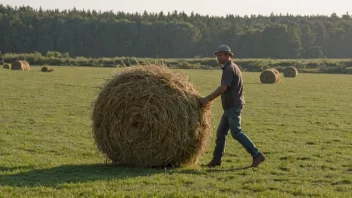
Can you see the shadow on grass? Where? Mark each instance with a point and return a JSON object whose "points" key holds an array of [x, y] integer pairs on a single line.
{"points": [[227, 170], [206, 170], [52, 177]]}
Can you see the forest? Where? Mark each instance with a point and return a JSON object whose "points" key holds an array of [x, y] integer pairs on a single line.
{"points": [[90, 33]]}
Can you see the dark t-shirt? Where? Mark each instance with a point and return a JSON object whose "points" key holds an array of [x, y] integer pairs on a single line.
{"points": [[232, 78]]}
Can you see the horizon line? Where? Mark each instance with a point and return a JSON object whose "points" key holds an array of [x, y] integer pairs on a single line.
{"points": [[178, 11]]}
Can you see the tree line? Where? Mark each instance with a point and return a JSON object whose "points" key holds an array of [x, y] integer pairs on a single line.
{"points": [[91, 33], [334, 66]]}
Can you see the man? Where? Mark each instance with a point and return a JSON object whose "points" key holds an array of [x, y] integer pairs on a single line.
{"points": [[232, 98]]}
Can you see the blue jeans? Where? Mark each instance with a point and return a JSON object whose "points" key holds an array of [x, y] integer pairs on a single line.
{"points": [[231, 120]]}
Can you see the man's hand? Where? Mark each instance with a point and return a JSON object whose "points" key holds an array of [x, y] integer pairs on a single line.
{"points": [[204, 101], [215, 94]]}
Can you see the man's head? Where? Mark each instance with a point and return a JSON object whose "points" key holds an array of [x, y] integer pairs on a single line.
{"points": [[223, 54]]}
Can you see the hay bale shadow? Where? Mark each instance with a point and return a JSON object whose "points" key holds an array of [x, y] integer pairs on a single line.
{"points": [[72, 174], [52, 177]]}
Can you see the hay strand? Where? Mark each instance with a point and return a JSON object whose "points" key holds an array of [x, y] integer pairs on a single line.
{"points": [[291, 72], [270, 76], [150, 117], [20, 65]]}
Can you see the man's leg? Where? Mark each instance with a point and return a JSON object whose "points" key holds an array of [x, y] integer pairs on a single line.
{"points": [[221, 134], [234, 119]]}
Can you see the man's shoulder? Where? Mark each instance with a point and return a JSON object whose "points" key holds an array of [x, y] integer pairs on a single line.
{"points": [[235, 68], [231, 68], [233, 64]]}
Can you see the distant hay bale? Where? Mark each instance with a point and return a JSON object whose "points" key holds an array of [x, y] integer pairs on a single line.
{"points": [[20, 65], [46, 68], [290, 72], [276, 71], [270, 76], [6, 66], [150, 117]]}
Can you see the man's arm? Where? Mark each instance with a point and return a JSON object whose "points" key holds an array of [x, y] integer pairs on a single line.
{"points": [[220, 90]]}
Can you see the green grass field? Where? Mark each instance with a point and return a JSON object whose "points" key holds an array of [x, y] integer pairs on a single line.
{"points": [[303, 126]]}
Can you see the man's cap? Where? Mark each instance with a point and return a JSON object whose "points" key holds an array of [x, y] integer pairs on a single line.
{"points": [[224, 48]]}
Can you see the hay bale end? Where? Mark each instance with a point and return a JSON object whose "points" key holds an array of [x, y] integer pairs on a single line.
{"points": [[291, 72], [270, 76]]}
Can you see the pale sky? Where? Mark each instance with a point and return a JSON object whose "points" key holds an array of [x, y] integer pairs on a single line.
{"points": [[211, 7]]}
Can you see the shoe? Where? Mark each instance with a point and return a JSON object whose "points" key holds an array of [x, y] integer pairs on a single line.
{"points": [[257, 160], [213, 164]]}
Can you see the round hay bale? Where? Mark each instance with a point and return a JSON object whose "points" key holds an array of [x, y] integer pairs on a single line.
{"points": [[150, 117], [291, 72], [46, 68], [269, 76], [6, 66], [20, 65], [276, 71]]}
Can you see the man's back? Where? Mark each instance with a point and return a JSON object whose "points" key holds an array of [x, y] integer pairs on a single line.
{"points": [[232, 77]]}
